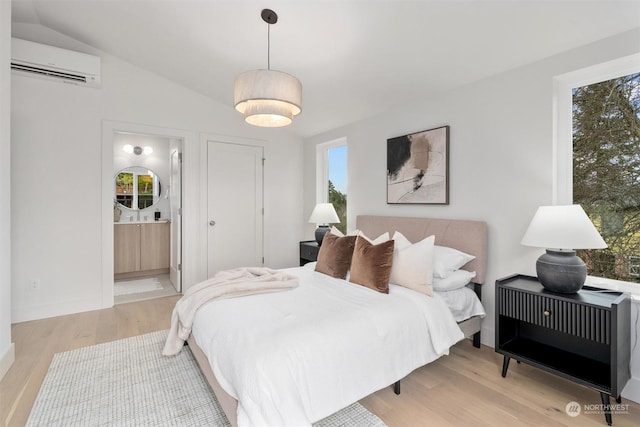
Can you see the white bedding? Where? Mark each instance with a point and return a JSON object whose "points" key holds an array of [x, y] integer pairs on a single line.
{"points": [[295, 357], [463, 303]]}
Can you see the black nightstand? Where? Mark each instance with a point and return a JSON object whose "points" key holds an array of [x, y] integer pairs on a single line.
{"points": [[308, 251], [583, 337]]}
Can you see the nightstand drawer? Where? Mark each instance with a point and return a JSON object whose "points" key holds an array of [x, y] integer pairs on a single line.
{"points": [[308, 251], [580, 320]]}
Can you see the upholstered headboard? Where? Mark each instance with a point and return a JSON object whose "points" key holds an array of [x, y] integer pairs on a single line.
{"points": [[464, 235]]}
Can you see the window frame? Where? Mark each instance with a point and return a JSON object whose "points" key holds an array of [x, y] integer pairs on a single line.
{"points": [[322, 167], [562, 151]]}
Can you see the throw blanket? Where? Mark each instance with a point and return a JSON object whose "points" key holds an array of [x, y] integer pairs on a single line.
{"points": [[224, 284]]}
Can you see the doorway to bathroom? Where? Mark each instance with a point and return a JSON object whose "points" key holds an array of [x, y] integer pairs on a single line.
{"points": [[147, 221]]}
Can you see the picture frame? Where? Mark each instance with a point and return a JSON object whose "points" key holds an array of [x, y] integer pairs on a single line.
{"points": [[418, 168]]}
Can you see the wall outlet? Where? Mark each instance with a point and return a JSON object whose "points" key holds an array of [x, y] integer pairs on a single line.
{"points": [[35, 283]]}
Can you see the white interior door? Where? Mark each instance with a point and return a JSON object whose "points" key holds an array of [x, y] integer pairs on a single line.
{"points": [[175, 201], [235, 210]]}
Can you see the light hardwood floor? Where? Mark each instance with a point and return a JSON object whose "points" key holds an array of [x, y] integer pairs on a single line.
{"points": [[462, 389]]}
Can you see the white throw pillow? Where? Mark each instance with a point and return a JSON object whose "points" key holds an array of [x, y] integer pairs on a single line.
{"points": [[456, 280], [335, 231], [413, 263], [447, 260], [384, 237], [380, 239], [339, 233]]}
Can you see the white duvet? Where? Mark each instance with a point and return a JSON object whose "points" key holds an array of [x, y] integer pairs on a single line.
{"points": [[294, 357]]}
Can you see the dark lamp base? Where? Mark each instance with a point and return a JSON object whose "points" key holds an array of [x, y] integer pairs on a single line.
{"points": [[320, 232], [561, 271]]}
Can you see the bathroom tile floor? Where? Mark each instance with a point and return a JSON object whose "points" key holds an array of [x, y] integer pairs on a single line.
{"points": [[167, 290]]}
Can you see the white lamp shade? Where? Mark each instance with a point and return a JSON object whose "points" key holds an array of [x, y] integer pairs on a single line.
{"points": [[562, 227], [268, 98], [324, 213]]}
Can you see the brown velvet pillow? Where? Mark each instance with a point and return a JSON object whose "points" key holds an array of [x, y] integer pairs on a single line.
{"points": [[334, 257], [371, 264]]}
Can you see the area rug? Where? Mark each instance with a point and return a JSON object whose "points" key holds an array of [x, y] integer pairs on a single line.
{"points": [[136, 286], [129, 383]]}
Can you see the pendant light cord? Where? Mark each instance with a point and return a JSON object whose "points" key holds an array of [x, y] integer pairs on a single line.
{"points": [[270, 17]]}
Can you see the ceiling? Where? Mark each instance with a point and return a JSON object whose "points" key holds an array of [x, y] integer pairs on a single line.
{"points": [[355, 59]]}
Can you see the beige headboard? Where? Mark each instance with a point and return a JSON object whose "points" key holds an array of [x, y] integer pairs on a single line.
{"points": [[466, 236]]}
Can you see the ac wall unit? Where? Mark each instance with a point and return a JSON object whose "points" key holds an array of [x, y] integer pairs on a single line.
{"points": [[49, 62]]}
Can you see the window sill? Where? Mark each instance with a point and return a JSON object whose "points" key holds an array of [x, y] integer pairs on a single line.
{"points": [[616, 285]]}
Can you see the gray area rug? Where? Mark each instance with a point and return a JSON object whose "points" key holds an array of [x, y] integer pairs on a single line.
{"points": [[129, 383]]}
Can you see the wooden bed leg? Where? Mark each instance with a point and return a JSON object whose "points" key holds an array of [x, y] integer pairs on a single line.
{"points": [[396, 387]]}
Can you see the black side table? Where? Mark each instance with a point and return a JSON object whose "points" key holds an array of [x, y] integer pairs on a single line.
{"points": [[308, 251], [583, 337]]}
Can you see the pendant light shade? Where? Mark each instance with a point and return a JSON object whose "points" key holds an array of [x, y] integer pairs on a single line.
{"points": [[268, 98]]}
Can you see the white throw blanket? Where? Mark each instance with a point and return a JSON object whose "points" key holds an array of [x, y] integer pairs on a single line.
{"points": [[224, 284]]}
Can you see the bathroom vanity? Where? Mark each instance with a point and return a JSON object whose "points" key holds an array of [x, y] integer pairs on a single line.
{"points": [[140, 249]]}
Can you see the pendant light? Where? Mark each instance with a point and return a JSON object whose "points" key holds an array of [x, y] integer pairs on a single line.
{"points": [[268, 98]]}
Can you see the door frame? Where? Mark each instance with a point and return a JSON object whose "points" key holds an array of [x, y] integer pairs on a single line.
{"points": [[191, 188], [175, 246]]}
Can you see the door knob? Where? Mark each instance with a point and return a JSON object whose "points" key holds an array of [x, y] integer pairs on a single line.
{"points": [[212, 223]]}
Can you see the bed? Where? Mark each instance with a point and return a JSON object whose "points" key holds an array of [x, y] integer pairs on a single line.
{"points": [[302, 376]]}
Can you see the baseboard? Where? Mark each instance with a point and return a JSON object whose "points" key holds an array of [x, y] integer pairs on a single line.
{"points": [[632, 390], [7, 360]]}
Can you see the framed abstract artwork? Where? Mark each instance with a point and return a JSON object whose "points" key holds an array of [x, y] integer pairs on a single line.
{"points": [[418, 167]]}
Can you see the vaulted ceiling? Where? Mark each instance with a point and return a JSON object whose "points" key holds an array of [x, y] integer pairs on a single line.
{"points": [[355, 58]]}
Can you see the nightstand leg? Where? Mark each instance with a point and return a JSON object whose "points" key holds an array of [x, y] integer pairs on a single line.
{"points": [[396, 387], [619, 399], [607, 407], [505, 366]]}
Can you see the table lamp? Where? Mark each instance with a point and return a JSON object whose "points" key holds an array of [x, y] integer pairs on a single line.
{"points": [[562, 229], [323, 215]]}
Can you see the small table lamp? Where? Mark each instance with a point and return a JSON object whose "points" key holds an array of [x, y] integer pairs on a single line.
{"points": [[323, 215], [564, 228]]}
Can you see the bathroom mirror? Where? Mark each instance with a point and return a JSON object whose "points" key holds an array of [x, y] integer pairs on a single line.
{"points": [[136, 187]]}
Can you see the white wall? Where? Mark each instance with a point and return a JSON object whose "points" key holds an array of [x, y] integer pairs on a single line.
{"points": [[501, 154], [62, 169], [7, 352]]}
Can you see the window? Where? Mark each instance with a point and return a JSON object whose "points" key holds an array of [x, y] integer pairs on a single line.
{"points": [[332, 178], [598, 160], [634, 266], [606, 170]]}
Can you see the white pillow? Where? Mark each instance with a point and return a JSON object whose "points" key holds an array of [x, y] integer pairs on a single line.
{"points": [[335, 231], [339, 233], [447, 260], [384, 237], [456, 280], [413, 263], [380, 239]]}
